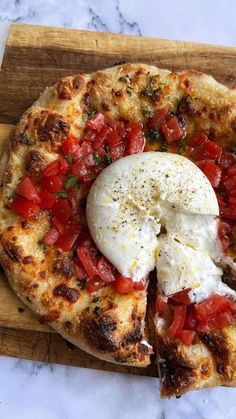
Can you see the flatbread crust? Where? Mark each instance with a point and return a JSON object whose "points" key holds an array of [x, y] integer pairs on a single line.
{"points": [[106, 324]]}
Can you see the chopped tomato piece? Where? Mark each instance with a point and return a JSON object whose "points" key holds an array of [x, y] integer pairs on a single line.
{"points": [[123, 285], [226, 159], [211, 306], [83, 150], [63, 165], [67, 239], [25, 208], [172, 130], [27, 189], [232, 170], [101, 137], [52, 169], [79, 270], [62, 211], [230, 183], [117, 151], [70, 145], [187, 336], [105, 271], [136, 140], [96, 122], [58, 224], [47, 200], [178, 321], [211, 150], [51, 236], [117, 126], [229, 213], [94, 284], [224, 231], [211, 171], [197, 139], [219, 321], [190, 320], [139, 285], [113, 138], [157, 120], [88, 260], [182, 297], [161, 304], [51, 183]]}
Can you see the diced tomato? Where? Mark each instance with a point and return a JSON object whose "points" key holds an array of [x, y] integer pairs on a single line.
{"points": [[136, 140], [172, 130], [79, 270], [94, 284], [219, 321], [157, 120], [101, 137], [197, 139], [187, 336], [27, 189], [63, 165], [229, 213], [230, 183], [58, 224], [224, 229], [232, 170], [88, 136], [51, 183], [62, 211], [47, 199], [51, 236], [83, 150], [231, 202], [101, 152], [161, 304], [212, 172], [123, 285], [25, 208], [226, 159], [117, 126], [139, 285], [178, 321], [182, 297], [211, 306], [190, 320], [67, 239], [88, 260], [96, 122], [105, 271], [211, 150], [113, 138], [52, 169], [70, 145], [117, 151]]}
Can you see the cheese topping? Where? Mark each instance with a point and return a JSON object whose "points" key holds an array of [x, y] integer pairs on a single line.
{"points": [[158, 209]]}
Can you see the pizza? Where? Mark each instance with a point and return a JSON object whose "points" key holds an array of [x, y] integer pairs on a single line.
{"points": [[112, 178]]}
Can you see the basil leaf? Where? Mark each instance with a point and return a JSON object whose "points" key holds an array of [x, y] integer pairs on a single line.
{"points": [[89, 114], [97, 158], [154, 134], [72, 182], [108, 160], [182, 146], [62, 194]]}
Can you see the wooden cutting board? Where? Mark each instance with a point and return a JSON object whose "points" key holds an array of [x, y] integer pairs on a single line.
{"points": [[36, 57]]}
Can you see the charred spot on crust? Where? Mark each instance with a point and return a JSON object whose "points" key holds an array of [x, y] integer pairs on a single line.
{"points": [[24, 224], [13, 251], [51, 127], [176, 372], [64, 89], [78, 81], [216, 342], [69, 294], [135, 334], [50, 317], [17, 138], [186, 106], [99, 333], [27, 259], [105, 106], [8, 176], [63, 266], [34, 163]]}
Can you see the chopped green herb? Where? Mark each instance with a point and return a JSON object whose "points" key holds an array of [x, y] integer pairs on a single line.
{"points": [[108, 160], [154, 134], [97, 158], [25, 139], [69, 158], [89, 114], [72, 182], [150, 91], [182, 146], [126, 79], [129, 90], [62, 194], [164, 146], [82, 283], [42, 245]]}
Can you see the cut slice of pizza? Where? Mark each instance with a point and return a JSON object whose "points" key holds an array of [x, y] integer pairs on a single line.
{"points": [[124, 138]]}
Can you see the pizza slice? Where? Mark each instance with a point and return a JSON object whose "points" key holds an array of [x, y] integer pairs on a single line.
{"points": [[99, 190]]}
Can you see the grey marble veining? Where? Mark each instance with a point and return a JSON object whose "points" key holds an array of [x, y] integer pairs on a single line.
{"points": [[33, 390]]}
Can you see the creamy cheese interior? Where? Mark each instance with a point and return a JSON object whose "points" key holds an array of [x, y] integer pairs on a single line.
{"points": [[158, 210]]}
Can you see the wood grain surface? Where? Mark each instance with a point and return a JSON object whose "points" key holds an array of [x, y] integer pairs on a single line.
{"points": [[36, 57]]}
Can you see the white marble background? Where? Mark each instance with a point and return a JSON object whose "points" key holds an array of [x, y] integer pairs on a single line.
{"points": [[30, 390]]}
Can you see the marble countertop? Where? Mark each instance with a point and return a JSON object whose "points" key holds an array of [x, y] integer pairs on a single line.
{"points": [[36, 390]]}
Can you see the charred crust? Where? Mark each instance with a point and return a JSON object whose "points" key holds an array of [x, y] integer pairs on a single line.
{"points": [[186, 106], [216, 342], [135, 334], [99, 333], [27, 259], [64, 89], [13, 251], [50, 317], [19, 138], [78, 82], [67, 293], [24, 224], [64, 267], [51, 127], [106, 107], [34, 163], [176, 371]]}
